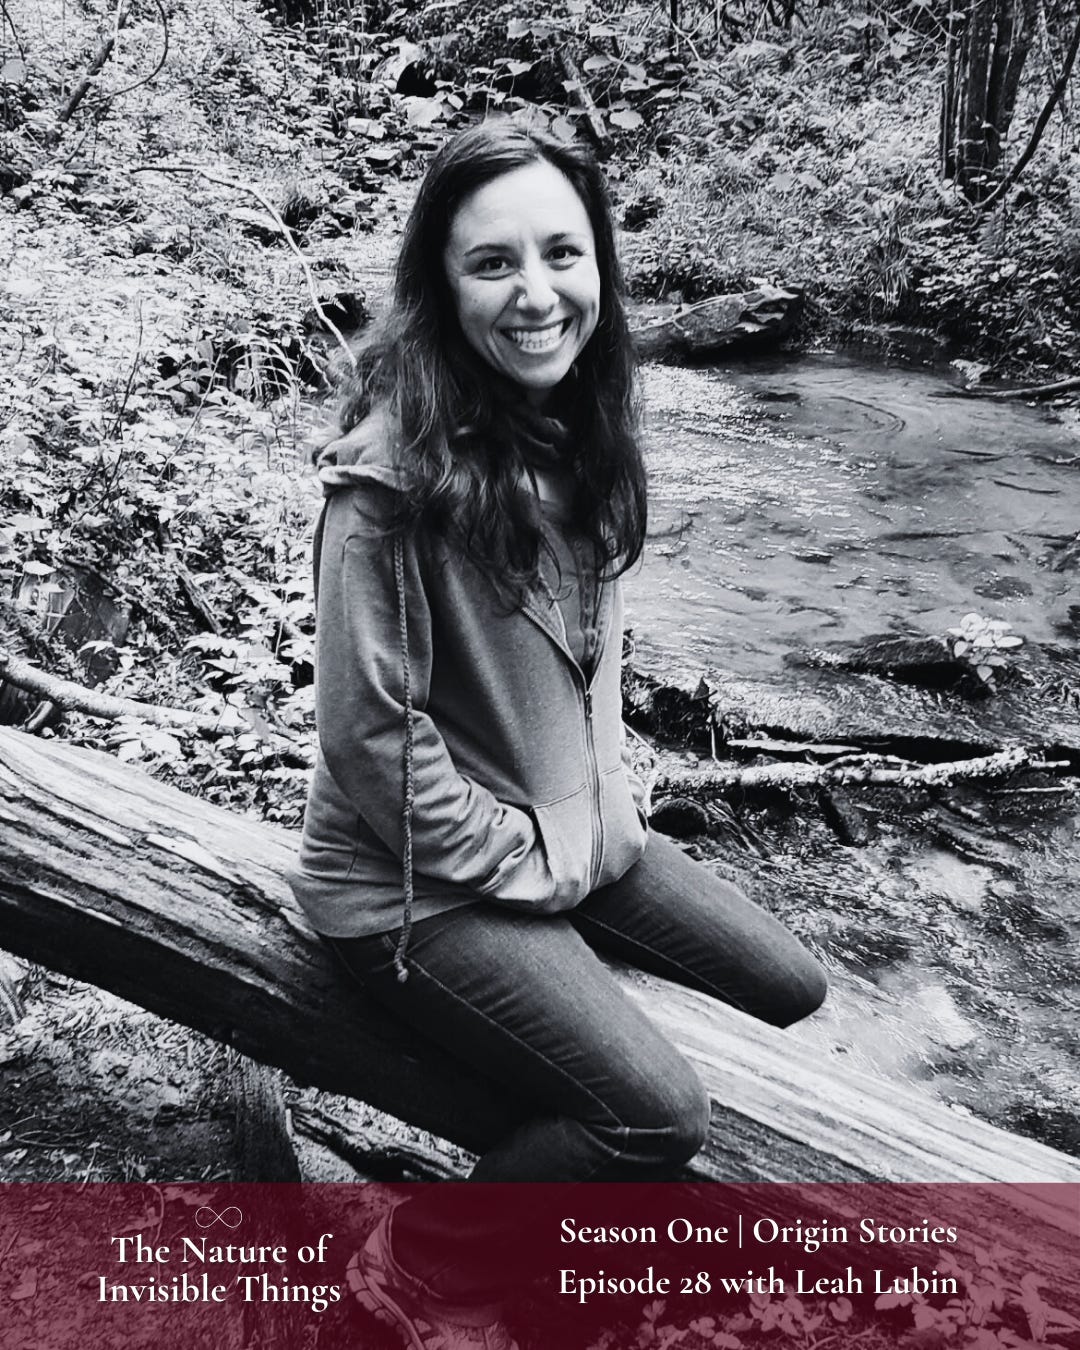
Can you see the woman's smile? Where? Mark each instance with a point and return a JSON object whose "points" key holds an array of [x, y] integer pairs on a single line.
{"points": [[542, 339], [521, 265]]}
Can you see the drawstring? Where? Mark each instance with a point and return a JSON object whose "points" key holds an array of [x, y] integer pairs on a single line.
{"points": [[409, 796]]}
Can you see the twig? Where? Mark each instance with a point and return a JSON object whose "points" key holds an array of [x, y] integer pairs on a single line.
{"points": [[275, 216], [197, 602], [14, 31], [871, 772], [579, 95], [118, 419]]}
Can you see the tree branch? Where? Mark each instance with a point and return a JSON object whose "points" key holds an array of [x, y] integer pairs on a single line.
{"points": [[127, 89], [80, 91], [866, 771], [68, 694], [76, 697], [1031, 391]]}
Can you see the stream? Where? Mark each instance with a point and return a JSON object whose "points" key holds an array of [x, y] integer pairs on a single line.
{"points": [[796, 503], [792, 503]]}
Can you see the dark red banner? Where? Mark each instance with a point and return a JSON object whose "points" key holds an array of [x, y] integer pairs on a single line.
{"points": [[188, 1266]]}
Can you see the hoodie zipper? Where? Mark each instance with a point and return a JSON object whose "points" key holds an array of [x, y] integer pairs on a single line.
{"points": [[557, 631], [597, 833]]}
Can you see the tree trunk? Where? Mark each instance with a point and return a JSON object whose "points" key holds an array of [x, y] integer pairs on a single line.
{"points": [[111, 877], [988, 43]]}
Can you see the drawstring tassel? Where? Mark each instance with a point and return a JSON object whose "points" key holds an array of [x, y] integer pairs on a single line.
{"points": [[409, 796]]}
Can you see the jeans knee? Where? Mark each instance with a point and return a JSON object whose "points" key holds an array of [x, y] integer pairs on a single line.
{"points": [[677, 1129], [690, 1131], [802, 995]]}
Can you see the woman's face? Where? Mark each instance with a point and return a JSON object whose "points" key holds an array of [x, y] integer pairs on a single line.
{"points": [[521, 263]]}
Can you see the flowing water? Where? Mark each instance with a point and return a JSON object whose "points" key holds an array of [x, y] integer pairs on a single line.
{"points": [[796, 503]]}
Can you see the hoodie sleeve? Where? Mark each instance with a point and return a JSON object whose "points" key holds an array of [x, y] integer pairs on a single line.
{"points": [[460, 831]]}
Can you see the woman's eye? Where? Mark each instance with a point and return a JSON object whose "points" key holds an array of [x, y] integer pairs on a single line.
{"points": [[494, 264], [564, 253]]}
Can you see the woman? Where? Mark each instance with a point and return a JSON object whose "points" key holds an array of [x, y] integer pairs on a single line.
{"points": [[474, 833]]}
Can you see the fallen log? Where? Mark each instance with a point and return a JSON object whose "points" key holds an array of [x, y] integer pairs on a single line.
{"points": [[114, 878], [749, 319]]}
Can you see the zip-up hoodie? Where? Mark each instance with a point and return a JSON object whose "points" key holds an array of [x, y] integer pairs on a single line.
{"points": [[431, 695]]}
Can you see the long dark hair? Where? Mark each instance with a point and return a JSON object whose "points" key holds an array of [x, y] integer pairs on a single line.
{"points": [[466, 434]]}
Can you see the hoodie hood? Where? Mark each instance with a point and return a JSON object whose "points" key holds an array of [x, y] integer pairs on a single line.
{"points": [[363, 455]]}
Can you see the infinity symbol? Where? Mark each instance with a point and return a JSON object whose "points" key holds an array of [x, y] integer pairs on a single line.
{"points": [[230, 1216]]}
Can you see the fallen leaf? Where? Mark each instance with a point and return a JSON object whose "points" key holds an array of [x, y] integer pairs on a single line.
{"points": [[27, 1285]]}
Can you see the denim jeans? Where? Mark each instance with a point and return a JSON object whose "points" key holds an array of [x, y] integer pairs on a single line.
{"points": [[527, 1000]]}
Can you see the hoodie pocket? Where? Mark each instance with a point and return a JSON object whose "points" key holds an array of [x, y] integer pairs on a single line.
{"points": [[625, 831], [566, 830]]}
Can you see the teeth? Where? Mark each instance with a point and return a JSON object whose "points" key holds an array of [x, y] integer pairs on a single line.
{"points": [[537, 339]]}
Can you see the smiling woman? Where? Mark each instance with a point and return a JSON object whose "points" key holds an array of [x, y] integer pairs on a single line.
{"points": [[474, 834]]}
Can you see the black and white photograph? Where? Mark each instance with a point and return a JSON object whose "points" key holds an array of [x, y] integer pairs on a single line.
{"points": [[539, 643]]}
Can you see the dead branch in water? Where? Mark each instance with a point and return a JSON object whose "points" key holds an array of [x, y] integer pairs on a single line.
{"points": [[1032, 391], [851, 771]]}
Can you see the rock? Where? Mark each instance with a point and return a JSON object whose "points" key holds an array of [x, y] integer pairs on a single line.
{"points": [[750, 319], [366, 126], [680, 818], [641, 210], [923, 661], [393, 72], [382, 157]]}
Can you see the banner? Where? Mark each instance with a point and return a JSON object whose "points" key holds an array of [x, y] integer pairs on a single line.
{"points": [[600, 1267]]}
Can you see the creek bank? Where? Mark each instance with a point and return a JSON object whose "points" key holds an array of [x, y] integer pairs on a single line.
{"points": [[886, 696], [948, 917]]}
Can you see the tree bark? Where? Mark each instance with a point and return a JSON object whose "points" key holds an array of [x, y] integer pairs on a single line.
{"points": [[111, 877], [1057, 95], [987, 47], [95, 67]]}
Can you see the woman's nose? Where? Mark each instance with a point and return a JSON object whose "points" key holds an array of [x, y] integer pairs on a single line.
{"points": [[536, 294]]}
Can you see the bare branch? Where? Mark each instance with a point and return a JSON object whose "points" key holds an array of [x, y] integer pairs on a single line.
{"points": [[103, 53], [68, 694], [115, 93], [77, 698], [868, 771], [1031, 391]]}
